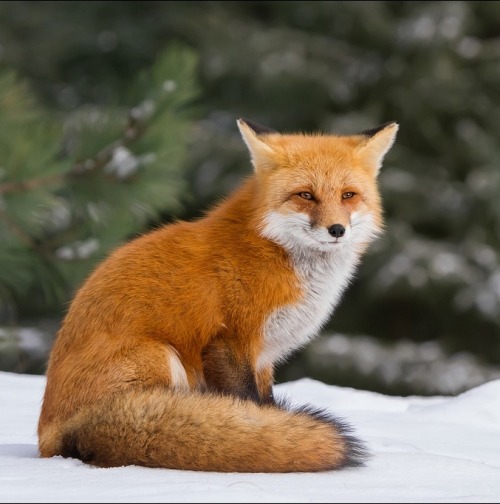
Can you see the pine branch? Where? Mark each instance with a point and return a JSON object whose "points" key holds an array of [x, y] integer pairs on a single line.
{"points": [[132, 132], [28, 185]]}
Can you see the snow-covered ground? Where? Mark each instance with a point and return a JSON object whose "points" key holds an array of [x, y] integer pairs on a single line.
{"points": [[434, 449]]}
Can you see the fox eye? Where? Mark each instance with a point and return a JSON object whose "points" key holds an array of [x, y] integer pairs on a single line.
{"points": [[306, 195], [348, 194]]}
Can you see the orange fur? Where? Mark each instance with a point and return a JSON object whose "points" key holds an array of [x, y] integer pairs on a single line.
{"points": [[165, 357]]}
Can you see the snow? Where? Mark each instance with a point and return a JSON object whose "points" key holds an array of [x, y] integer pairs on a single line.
{"points": [[424, 449]]}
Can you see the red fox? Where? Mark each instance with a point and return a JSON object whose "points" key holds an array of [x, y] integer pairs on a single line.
{"points": [[165, 357]]}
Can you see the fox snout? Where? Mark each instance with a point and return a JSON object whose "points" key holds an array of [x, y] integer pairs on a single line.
{"points": [[337, 230]]}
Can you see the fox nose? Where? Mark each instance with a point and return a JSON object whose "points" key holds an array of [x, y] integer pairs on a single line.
{"points": [[337, 230]]}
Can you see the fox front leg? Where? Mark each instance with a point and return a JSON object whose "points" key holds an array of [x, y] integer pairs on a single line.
{"points": [[228, 370], [265, 380]]}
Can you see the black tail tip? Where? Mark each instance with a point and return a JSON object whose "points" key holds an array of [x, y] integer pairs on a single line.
{"points": [[356, 452]]}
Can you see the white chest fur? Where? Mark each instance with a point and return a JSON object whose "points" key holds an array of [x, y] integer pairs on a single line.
{"points": [[322, 279]]}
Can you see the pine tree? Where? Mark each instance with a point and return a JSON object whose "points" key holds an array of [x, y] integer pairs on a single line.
{"points": [[74, 186]]}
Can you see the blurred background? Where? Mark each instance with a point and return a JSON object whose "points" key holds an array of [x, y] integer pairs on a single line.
{"points": [[118, 116]]}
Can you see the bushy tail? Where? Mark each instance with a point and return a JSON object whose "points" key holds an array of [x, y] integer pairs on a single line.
{"points": [[163, 428]]}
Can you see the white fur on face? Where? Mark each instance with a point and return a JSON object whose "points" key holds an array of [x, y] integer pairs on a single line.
{"points": [[324, 266], [363, 228], [294, 232]]}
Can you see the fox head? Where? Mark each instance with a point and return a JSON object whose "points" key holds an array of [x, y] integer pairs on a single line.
{"points": [[318, 191]]}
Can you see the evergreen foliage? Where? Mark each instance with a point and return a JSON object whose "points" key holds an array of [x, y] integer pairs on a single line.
{"points": [[75, 185]]}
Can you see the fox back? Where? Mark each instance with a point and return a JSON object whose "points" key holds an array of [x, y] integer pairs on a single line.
{"points": [[166, 356]]}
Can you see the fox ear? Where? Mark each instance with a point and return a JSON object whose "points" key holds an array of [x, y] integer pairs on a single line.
{"points": [[253, 135], [376, 142]]}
